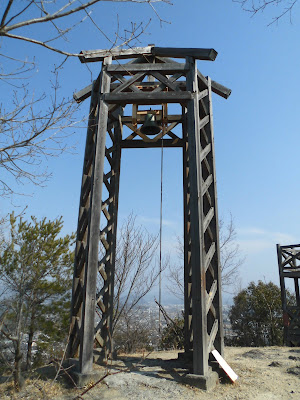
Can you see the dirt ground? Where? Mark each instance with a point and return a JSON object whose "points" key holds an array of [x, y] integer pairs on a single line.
{"points": [[264, 374]]}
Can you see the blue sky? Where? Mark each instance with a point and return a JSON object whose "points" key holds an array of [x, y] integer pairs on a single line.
{"points": [[256, 129]]}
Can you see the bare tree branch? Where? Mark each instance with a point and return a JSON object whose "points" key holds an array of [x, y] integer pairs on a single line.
{"points": [[51, 12], [256, 6], [230, 255], [28, 134], [31, 132]]}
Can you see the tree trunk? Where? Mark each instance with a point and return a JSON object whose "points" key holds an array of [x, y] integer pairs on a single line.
{"points": [[18, 379], [30, 341]]}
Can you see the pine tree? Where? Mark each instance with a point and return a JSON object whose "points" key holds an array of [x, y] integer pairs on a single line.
{"points": [[256, 315], [35, 270]]}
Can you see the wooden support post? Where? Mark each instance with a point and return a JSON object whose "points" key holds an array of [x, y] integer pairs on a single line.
{"points": [[107, 330], [91, 271], [188, 332], [199, 324], [214, 227], [82, 228]]}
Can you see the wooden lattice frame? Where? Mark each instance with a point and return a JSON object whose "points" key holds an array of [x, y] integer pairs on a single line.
{"points": [[289, 268], [118, 85]]}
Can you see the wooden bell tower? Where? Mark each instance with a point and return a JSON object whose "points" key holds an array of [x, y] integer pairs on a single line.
{"points": [[150, 78], [289, 271]]}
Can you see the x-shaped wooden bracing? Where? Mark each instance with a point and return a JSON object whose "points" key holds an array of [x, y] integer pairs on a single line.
{"points": [[110, 93]]}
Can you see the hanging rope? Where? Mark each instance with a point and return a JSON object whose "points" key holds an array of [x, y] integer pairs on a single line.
{"points": [[160, 224]]}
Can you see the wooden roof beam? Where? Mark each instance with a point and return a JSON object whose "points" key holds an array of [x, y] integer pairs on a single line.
{"points": [[117, 54]]}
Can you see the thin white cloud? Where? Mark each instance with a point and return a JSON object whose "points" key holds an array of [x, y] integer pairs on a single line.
{"points": [[156, 221], [255, 240]]}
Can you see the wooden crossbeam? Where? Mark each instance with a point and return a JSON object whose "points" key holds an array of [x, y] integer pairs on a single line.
{"points": [[211, 295], [86, 56], [137, 132], [147, 98], [105, 230], [167, 82], [205, 151], [102, 271], [221, 90], [209, 216], [181, 52], [128, 83], [140, 144], [105, 243], [127, 69], [99, 55], [107, 202], [106, 213], [207, 184], [141, 118], [181, 85], [100, 325], [209, 256], [204, 121], [101, 305], [102, 290], [294, 274], [213, 335], [99, 339]]}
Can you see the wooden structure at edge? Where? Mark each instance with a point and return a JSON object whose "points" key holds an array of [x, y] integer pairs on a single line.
{"points": [[289, 268], [150, 78]]}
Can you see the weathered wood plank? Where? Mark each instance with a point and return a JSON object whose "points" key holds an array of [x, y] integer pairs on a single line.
{"points": [[127, 83], [83, 93], [204, 121], [209, 255], [147, 98], [127, 69], [165, 81], [205, 151], [101, 268], [141, 118], [221, 90], [207, 184], [140, 144], [176, 52], [99, 55], [181, 52], [213, 335], [208, 218], [295, 274], [211, 295]]}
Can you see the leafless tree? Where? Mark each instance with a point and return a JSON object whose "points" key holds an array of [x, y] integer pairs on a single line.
{"points": [[136, 270], [31, 130], [28, 133], [231, 260], [283, 7]]}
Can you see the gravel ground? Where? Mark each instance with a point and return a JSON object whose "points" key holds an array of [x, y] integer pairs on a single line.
{"points": [[269, 373]]}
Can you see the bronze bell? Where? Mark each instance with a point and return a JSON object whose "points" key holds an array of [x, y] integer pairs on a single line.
{"points": [[150, 126]]}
